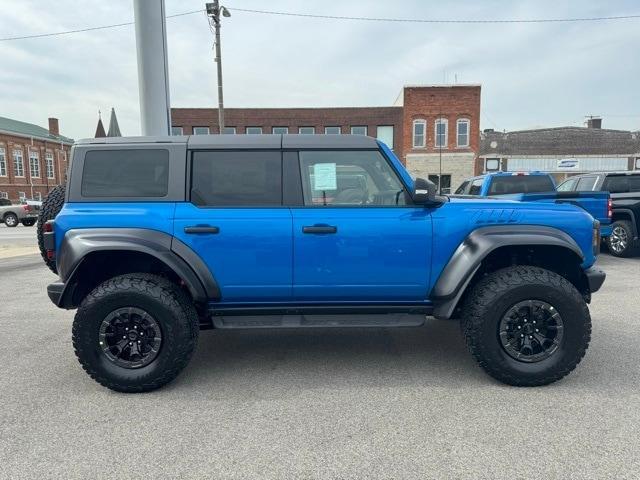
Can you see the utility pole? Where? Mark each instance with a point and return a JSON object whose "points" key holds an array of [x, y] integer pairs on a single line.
{"points": [[439, 140], [214, 10]]}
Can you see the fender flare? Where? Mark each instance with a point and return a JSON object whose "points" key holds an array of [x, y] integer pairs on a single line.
{"points": [[177, 256], [468, 257], [632, 217]]}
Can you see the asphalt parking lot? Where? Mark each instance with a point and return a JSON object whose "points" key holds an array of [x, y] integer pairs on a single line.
{"points": [[379, 403]]}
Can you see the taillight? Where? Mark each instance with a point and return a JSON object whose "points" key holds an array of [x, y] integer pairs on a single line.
{"points": [[48, 226], [595, 239], [49, 239], [609, 208], [27, 208]]}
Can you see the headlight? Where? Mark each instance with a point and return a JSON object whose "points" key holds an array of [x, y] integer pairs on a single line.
{"points": [[596, 238]]}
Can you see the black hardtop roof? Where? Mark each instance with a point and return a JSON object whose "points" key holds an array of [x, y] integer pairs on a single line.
{"points": [[268, 141]]}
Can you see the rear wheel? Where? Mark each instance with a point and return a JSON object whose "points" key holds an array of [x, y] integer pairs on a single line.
{"points": [[29, 222], [51, 206], [11, 220], [526, 326], [620, 242], [135, 332]]}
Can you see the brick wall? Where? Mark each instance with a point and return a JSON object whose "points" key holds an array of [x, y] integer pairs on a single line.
{"points": [[31, 185]]}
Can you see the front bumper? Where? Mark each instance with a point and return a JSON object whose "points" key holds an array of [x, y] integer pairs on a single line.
{"points": [[595, 278]]}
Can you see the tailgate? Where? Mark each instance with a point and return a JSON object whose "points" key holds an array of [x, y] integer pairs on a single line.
{"points": [[596, 203]]}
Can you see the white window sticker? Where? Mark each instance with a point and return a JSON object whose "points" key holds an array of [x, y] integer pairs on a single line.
{"points": [[324, 176]]}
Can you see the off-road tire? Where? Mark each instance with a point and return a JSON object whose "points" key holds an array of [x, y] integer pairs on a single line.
{"points": [[492, 297], [11, 220], [51, 206], [30, 222], [166, 302], [628, 230]]}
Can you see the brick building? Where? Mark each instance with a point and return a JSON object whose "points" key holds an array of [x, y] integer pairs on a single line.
{"points": [[561, 151], [425, 124], [33, 159]]}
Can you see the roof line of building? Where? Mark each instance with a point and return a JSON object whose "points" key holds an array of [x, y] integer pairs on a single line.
{"points": [[38, 137], [285, 108], [548, 129]]}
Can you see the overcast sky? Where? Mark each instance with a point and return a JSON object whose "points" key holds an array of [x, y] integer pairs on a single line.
{"points": [[532, 75]]}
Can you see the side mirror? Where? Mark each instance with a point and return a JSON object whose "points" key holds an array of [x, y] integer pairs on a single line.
{"points": [[424, 191]]}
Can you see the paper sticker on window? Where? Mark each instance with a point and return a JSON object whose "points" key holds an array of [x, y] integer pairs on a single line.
{"points": [[324, 176]]}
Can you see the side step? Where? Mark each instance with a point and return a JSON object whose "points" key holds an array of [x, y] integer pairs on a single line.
{"points": [[315, 321]]}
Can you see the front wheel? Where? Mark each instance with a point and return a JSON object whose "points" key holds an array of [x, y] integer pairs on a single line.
{"points": [[526, 326], [135, 333]]}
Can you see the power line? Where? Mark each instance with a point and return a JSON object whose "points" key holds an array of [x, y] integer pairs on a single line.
{"points": [[340, 17]]}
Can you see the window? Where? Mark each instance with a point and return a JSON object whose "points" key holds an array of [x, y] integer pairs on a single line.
{"points": [[38, 196], [280, 130], [463, 132], [3, 162], [419, 130], [616, 184], [441, 133], [201, 130], [634, 183], [492, 164], [306, 130], [586, 184], [229, 130], [22, 197], [34, 164], [446, 183], [125, 173], [349, 178], [4, 195], [50, 168], [254, 130], [176, 130], [568, 185], [511, 184], [236, 179], [385, 135], [18, 164], [476, 186], [461, 189], [637, 163], [332, 131], [359, 130]]}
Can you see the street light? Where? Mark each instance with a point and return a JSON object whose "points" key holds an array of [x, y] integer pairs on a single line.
{"points": [[214, 9]]}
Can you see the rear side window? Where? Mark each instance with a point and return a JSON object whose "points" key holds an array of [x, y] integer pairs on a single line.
{"points": [[236, 179], [616, 184], [634, 183], [506, 185], [586, 184], [125, 173]]}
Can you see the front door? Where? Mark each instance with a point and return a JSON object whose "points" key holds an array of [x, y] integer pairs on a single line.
{"points": [[357, 237], [236, 222]]}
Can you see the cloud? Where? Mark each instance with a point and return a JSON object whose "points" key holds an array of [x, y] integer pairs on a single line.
{"points": [[532, 74]]}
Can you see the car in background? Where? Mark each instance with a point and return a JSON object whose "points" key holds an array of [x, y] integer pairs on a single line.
{"points": [[11, 215], [507, 183], [624, 189]]}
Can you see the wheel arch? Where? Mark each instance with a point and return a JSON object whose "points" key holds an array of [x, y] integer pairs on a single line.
{"points": [[625, 214], [491, 248], [89, 256]]}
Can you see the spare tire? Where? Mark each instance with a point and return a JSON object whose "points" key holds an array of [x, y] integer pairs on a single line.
{"points": [[51, 206]]}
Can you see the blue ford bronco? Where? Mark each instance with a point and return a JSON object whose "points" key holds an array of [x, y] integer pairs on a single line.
{"points": [[155, 239]]}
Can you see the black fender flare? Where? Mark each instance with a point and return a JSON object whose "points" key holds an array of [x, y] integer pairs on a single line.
{"points": [[468, 257], [632, 217], [177, 256]]}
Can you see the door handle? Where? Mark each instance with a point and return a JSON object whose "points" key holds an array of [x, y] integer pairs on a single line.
{"points": [[201, 229], [320, 229]]}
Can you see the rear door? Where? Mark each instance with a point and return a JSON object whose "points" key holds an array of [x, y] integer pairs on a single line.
{"points": [[357, 237], [236, 222]]}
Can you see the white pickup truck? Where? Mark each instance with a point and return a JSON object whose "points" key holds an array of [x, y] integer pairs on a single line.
{"points": [[11, 215]]}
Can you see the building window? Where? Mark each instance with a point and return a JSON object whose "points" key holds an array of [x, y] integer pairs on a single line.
{"points": [[18, 164], [22, 196], [359, 130], [492, 164], [176, 130], [229, 130], [306, 130], [441, 133], [201, 130], [3, 162], [280, 130], [637, 163], [419, 131], [50, 168], [254, 130], [4, 195], [34, 164], [463, 132], [332, 131], [445, 187], [38, 196], [385, 135]]}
